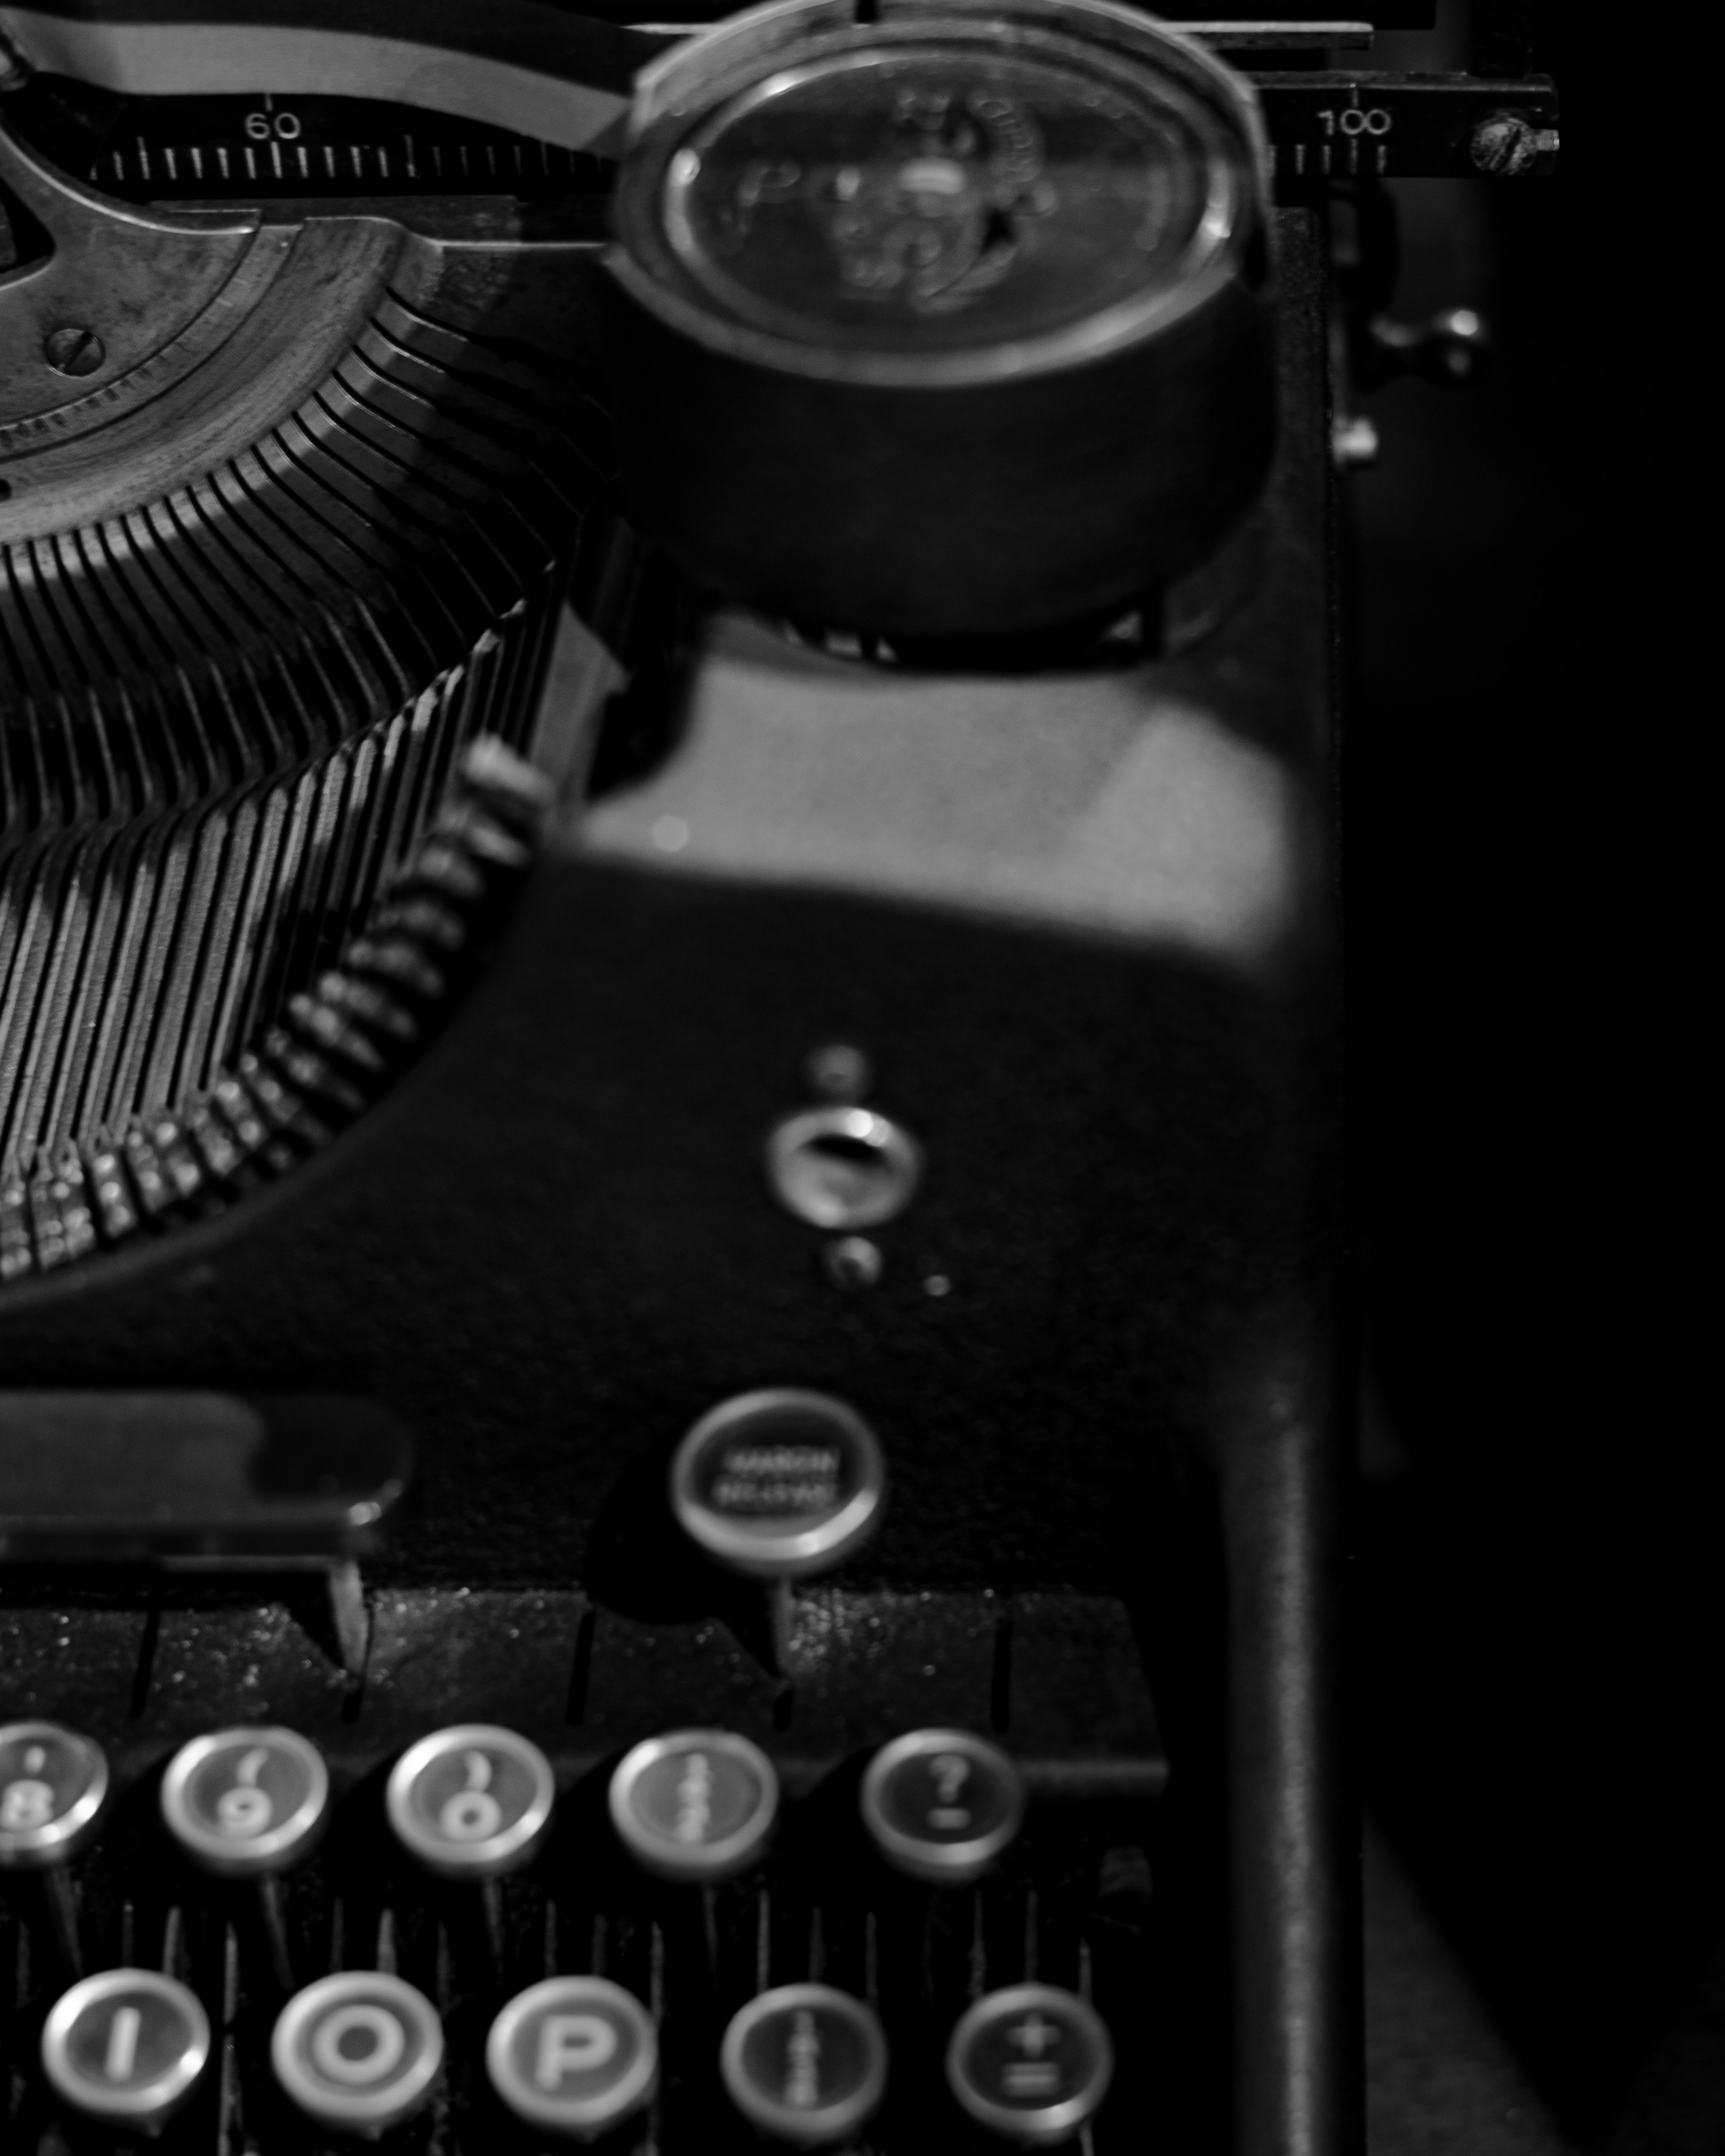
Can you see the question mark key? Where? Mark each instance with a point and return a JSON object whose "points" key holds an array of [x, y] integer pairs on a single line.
{"points": [[942, 1805], [246, 1803]]}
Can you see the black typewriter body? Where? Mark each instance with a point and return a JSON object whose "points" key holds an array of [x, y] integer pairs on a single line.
{"points": [[534, 1221]]}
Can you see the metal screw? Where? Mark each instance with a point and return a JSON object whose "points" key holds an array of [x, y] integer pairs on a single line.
{"points": [[75, 351], [853, 1261], [1353, 442], [1507, 145]]}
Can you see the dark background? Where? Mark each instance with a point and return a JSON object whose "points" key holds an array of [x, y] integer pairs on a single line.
{"points": [[1537, 1616]]}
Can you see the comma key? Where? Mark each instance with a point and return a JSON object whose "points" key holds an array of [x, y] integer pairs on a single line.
{"points": [[574, 2056]]}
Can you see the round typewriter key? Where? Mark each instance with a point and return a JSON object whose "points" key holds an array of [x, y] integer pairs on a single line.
{"points": [[1033, 2062], [359, 2050], [245, 1802], [53, 1784], [942, 1805], [698, 1804], [779, 1483], [127, 2045], [805, 2063], [472, 1802], [574, 2056]]}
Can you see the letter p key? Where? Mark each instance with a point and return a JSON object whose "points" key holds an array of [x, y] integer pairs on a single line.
{"points": [[574, 2056]]}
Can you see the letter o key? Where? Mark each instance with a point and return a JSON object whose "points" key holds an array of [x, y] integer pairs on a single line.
{"points": [[358, 2051], [575, 2054]]}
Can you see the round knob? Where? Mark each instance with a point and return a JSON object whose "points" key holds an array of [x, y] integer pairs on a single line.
{"points": [[53, 1785], [1033, 2063], [472, 1802], [942, 1805], [805, 2064], [575, 2056], [128, 2046], [779, 1483], [245, 1802], [358, 2051], [949, 324], [697, 1804]]}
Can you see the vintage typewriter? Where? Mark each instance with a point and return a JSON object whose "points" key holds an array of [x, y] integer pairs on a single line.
{"points": [[674, 1292]]}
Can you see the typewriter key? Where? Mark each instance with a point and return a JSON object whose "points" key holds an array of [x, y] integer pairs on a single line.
{"points": [[359, 2050], [1033, 2062], [805, 2064], [574, 2056], [696, 1805], [942, 1805], [779, 1483], [53, 1785], [127, 2045], [246, 1802], [473, 1802]]}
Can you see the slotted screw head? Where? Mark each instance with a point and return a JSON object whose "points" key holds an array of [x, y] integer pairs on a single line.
{"points": [[74, 350]]}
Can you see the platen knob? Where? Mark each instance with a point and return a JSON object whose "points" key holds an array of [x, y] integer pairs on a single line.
{"points": [[949, 324]]}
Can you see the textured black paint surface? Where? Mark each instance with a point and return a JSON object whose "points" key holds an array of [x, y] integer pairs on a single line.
{"points": [[553, 1247]]}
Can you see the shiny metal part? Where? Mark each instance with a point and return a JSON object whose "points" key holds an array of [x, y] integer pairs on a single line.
{"points": [[472, 1802], [53, 1785], [246, 1803], [358, 2051], [1032, 2063], [779, 1483], [127, 2046], [805, 2064], [120, 286], [697, 1804], [574, 2056], [942, 1805], [843, 1167]]}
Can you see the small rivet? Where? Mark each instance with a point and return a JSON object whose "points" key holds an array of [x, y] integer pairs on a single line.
{"points": [[853, 1261], [840, 1072], [73, 350], [1354, 443]]}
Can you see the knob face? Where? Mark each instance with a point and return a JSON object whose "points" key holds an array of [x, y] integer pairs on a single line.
{"points": [[1033, 2063], [574, 2054], [942, 1805], [358, 2051], [779, 1483], [805, 2063], [925, 196], [954, 325], [53, 1785], [246, 1801], [472, 1802], [697, 1804], [127, 2045]]}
